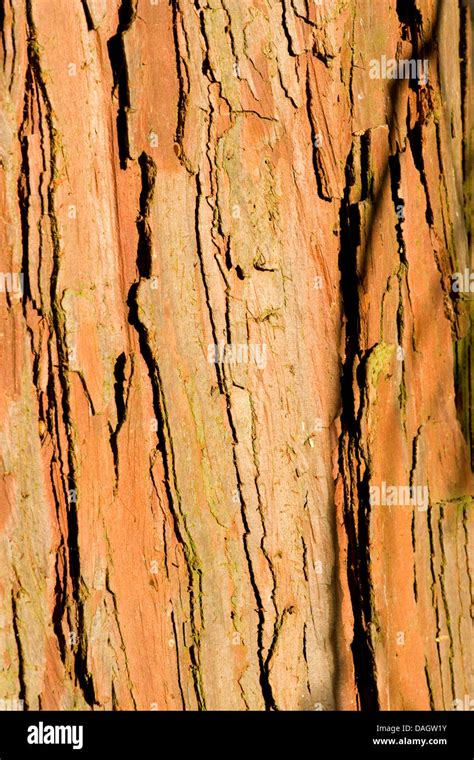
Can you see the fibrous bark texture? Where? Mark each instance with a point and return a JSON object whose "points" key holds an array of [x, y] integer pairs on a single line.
{"points": [[236, 395]]}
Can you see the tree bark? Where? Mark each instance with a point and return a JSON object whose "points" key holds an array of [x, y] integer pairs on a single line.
{"points": [[191, 527]]}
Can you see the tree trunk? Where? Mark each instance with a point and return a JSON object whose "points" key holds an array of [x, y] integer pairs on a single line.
{"points": [[236, 389]]}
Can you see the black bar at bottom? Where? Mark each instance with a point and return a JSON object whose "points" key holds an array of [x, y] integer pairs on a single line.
{"points": [[98, 734]]}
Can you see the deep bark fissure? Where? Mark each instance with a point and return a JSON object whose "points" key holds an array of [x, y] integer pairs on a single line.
{"points": [[57, 321], [356, 489]]}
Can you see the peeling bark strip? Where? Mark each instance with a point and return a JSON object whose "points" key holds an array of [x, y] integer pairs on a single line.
{"points": [[236, 436]]}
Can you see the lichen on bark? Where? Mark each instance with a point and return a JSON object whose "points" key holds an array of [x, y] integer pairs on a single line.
{"points": [[185, 527]]}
